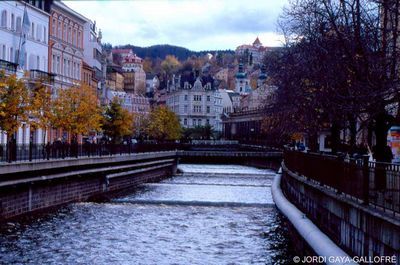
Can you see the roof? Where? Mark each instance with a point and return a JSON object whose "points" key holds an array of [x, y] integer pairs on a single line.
{"points": [[257, 41]]}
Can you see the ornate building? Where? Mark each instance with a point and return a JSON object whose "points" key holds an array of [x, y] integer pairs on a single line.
{"points": [[66, 45], [196, 103], [256, 51]]}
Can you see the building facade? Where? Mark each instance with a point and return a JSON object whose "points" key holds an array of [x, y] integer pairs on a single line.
{"points": [[196, 105], [66, 45], [31, 57]]}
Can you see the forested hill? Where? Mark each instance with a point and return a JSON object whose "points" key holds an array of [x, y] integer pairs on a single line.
{"points": [[160, 51]]}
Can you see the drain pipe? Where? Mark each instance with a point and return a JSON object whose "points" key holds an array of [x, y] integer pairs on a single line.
{"points": [[322, 245]]}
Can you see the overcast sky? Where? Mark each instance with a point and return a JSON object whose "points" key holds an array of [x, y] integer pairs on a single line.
{"points": [[193, 24]]}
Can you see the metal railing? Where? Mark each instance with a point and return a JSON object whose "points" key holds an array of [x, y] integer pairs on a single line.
{"points": [[41, 75], [372, 183], [35, 152]]}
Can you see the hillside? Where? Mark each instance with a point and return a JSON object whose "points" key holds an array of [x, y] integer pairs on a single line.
{"points": [[160, 51]]}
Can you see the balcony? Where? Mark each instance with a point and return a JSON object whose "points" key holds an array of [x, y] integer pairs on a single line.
{"points": [[42, 76], [10, 68]]}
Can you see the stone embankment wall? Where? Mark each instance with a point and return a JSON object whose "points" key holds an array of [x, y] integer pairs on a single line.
{"points": [[357, 229], [31, 187]]}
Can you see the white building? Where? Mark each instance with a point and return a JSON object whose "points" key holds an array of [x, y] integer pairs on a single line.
{"points": [[196, 105], [135, 104], [36, 49], [92, 52]]}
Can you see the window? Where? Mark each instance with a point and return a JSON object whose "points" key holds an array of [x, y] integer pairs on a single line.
{"points": [[207, 122], [208, 109], [65, 67], [184, 121], [65, 32], [194, 122], [12, 22], [54, 63], [58, 65], [37, 62], [74, 37], [44, 34], [79, 39], [38, 32], [19, 24], [186, 97], [33, 30], [4, 18], [59, 30], [11, 55], [70, 35], [197, 98], [3, 52], [199, 122], [208, 98], [53, 27], [185, 108]]}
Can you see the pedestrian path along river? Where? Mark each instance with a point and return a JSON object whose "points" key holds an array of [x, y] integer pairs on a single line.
{"points": [[207, 214]]}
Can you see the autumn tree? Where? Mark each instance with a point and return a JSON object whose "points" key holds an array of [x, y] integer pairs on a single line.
{"points": [[117, 121], [163, 124], [170, 65], [14, 105], [76, 110], [40, 107]]}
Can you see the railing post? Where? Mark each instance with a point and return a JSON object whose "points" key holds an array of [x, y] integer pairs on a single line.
{"points": [[365, 172], [30, 150]]}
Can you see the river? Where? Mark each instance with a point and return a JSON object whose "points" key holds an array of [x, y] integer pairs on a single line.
{"points": [[208, 214]]}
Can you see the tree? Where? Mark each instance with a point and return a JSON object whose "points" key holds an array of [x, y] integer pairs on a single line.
{"points": [[40, 107], [117, 121], [148, 65], [14, 105], [339, 67], [170, 65], [163, 124], [77, 111]]}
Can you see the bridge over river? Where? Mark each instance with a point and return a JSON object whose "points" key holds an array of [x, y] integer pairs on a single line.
{"points": [[204, 214]]}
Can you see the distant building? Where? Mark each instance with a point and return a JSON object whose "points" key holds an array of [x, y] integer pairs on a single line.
{"points": [[93, 53], [256, 51], [242, 82], [135, 104], [196, 103], [115, 78]]}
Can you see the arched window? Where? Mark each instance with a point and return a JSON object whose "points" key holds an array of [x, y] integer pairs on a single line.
{"points": [[4, 18]]}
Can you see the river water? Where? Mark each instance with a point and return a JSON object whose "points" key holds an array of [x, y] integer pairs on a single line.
{"points": [[209, 214]]}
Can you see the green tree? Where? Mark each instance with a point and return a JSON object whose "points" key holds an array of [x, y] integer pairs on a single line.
{"points": [[117, 121], [163, 124]]}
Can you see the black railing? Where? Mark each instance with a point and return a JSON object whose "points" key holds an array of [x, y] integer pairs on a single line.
{"points": [[34, 152], [41, 75], [8, 67], [371, 183]]}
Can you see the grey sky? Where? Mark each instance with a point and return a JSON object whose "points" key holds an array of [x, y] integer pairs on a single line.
{"points": [[194, 24]]}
